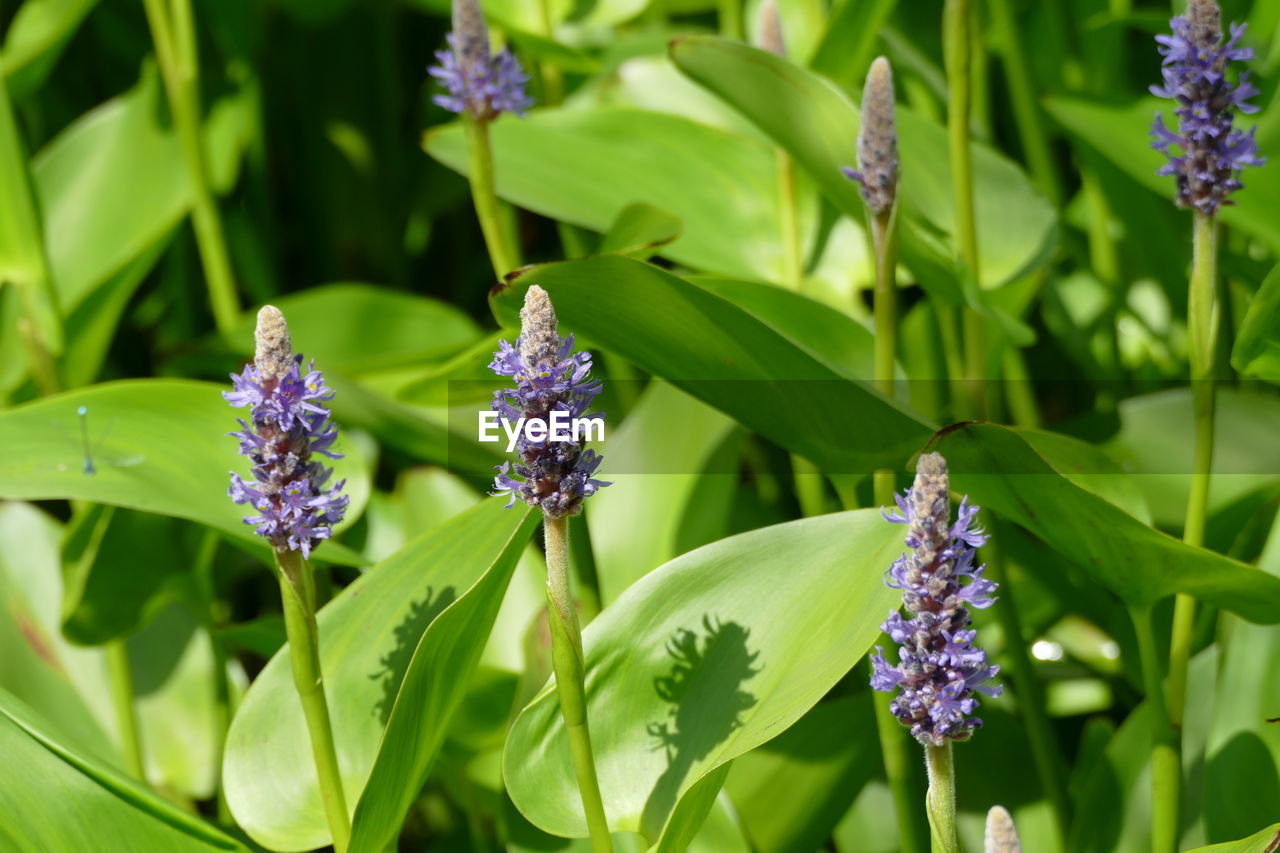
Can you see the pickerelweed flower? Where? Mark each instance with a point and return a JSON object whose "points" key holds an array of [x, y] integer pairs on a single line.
{"points": [[939, 668], [877, 171], [771, 29], [288, 424], [1195, 76], [478, 81], [549, 376]]}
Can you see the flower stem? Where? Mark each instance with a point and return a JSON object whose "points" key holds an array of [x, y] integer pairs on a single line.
{"points": [[297, 592], [1026, 109], [958, 49], [173, 32], [121, 681], [893, 737], [940, 802], [1166, 778], [552, 78], [1202, 331], [502, 255], [731, 19], [570, 671]]}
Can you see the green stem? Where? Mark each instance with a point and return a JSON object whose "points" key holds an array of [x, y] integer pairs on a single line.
{"points": [[503, 256], [202, 570], [940, 802], [1166, 778], [1026, 108], [298, 595], [957, 36], [731, 19], [121, 680], [552, 78], [792, 250], [173, 32], [570, 671], [893, 737]]}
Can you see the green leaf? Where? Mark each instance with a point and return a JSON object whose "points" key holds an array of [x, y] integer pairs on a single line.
{"points": [[832, 337], [398, 621], [1155, 447], [1257, 348], [65, 683], [108, 592], [36, 37], [703, 660], [999, 470], [566, 164], [724, 356], [46, 776], [660, 449], [358, 328], [22, 255], [434, 686], [1263, 841], [1121, 134], [640, 230], [792, 791], [158, 445], [814, 121]]}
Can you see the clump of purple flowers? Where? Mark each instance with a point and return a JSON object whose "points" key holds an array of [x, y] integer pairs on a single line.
{"points": [[289, 423], [1194, 70], [549, 376], [479, 82], [939, 669]]}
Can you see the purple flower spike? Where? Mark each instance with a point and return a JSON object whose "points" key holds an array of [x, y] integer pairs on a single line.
{"points": [[549, 377], [939, 670], [1210, 152], [477, 81], [289, 422]]}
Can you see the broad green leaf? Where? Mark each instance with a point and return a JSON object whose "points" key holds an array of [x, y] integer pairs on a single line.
{"points": [[53, 797], [640, 230], [121, 149], [1263, 841], [998, 469], [833, 337], [659, 451], [1243, 750], [701, 661], [371, 635], [792, 791], [109, 590], [1155, 448], [692, 811], [173, 663], [433, 687], [1121, 134], [724, 356], [848, 46], [566, 164], [36, 37], [157, 445], [65, 683], [813, 120], [1257, 348], [358, 328]]}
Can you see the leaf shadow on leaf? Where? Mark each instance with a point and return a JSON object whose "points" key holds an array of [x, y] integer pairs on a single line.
{"points": [[705, 690], [393, 665]]}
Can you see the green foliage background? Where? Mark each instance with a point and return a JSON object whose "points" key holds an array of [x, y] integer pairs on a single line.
{"points": [[730, 577]]}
